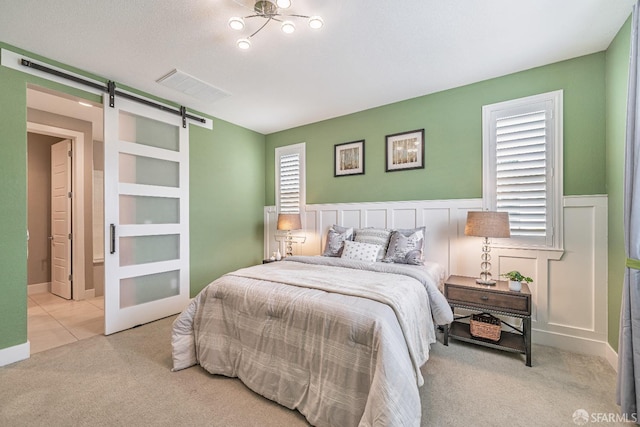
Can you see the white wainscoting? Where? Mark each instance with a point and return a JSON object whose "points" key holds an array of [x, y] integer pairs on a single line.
{"points": [[569, 291]]}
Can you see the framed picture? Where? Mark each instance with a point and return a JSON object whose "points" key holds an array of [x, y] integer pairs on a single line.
{"points": [[405, 151], [348, 158]]}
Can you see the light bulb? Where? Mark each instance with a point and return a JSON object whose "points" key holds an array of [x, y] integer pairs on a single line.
{"points": [[316, 22], [236, 23], [283, 4], [244, 44], [288, 27]]}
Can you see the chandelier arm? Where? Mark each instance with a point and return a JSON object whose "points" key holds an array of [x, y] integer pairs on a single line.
{"points": [[298, 16], [263, 25]]}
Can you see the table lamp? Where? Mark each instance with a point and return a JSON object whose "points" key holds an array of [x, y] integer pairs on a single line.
{"points": [[487, 224], [288, 222]]}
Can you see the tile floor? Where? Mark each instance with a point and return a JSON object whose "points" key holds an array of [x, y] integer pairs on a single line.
{"points": [[53, 321]]}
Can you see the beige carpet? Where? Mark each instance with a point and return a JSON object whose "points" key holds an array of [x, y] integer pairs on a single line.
{"points": [[125, 380]]}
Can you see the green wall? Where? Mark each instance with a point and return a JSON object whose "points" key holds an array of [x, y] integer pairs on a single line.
{"points": [[226, 197], [617, 73], [452, 121], [227, 209]]}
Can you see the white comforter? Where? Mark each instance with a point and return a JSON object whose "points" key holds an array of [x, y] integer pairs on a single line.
{"points": [[340, 341]]}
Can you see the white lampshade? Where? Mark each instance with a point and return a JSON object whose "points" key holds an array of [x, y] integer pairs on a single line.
{"points": [[288, 27], [236, 23], [283, 4], [244, 44], [316, 22]]}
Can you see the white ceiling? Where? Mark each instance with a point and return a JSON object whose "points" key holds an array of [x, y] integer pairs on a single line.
{"points": [[369, 52]]}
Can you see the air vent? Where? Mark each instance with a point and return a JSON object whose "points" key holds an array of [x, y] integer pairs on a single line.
{"points": [[183, 82]]}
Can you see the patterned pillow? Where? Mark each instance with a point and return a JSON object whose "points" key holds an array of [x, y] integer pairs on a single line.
{"points": [[360, 251], [405, 248], [335, 240], [374, 236], [341, 229]]}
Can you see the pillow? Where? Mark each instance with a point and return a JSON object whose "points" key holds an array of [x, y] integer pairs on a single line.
{"points": [[335, 240], [360, 251], [340, 229], [406, 232], [405, 248], [374, 236]]}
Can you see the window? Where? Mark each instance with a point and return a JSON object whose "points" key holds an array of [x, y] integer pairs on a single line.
{"points": [[290, 183], [522, 167]]}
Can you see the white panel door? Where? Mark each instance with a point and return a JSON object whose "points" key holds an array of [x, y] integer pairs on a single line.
{"points": [[61, 219], [146, 177]]}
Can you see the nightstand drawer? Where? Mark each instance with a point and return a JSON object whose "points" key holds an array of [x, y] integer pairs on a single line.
{"points": [[478, 297]]}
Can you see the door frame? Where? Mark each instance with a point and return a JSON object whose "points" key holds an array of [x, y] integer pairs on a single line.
{"points": [[77, 201]]}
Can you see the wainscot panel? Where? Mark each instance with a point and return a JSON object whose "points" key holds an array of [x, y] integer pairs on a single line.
{"points": [[569, 288]]}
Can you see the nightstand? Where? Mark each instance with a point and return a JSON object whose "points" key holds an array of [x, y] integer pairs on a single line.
{"points": [[464, 292]]}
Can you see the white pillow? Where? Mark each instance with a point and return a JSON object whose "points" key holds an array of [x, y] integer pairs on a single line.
{"points": [[374, 236], [360, 251]]}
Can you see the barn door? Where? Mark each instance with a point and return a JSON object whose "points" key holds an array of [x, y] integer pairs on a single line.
{"points": [[146, 178]]}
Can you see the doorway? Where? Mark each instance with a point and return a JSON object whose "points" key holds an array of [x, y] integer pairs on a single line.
{"points": [[52, 320], [140, 138]]}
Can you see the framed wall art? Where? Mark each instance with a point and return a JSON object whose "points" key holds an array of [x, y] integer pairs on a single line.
{"points": [[349, 158], [405, 151]]}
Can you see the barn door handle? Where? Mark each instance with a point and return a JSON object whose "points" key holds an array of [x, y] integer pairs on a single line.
{"points": [[112, 240]]}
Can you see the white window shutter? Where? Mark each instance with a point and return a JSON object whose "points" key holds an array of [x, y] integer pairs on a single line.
{"points": [[522, 148], [290, 178], [290, 183], [521, 170]]}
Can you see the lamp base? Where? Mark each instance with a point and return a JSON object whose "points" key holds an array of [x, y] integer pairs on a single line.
{"points": [[289, 248], [485, 265]]}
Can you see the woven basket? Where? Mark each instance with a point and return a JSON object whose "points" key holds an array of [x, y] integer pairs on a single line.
{"points": [[486, 326]]}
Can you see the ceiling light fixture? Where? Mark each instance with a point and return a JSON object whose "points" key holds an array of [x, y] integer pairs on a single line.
{"points": [[288, 27], [283, 4], [236, 23], [244, 44], [270, 10]]}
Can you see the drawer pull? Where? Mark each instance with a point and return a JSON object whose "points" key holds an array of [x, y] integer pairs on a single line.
{"points": [[484, 298]]}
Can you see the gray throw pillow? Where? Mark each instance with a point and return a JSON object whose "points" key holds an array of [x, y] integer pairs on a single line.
{"points": [[335, 240], [406, 247]]}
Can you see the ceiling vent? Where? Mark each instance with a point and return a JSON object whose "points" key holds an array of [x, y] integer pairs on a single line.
{"points": [[183, 82]]}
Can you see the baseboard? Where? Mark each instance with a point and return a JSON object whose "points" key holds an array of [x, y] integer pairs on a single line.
{"points": [[15, 354], [570, 343], [89, 293], [612, 357], [38, 288]]}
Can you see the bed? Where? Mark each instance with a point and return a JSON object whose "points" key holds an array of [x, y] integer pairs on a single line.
{"points": [[340, 340]]}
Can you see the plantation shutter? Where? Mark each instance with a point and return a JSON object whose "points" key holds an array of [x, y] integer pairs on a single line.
{"points": [[522, 168], [289, 187], [521, 172], [290, 178]]}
